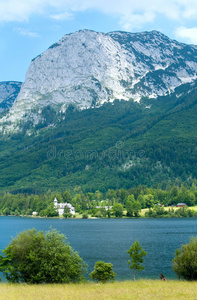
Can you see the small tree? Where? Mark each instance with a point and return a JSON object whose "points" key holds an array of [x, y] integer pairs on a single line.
{"points": [[185, 263], [35, 257], [149, 200], [118, 210], [103, 272], [133, 208], [67, 213], [136, 255], [51, 211]]}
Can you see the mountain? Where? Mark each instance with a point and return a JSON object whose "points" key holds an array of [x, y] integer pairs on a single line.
{"points": [[9, 91], [87, 69], [118, 145], [71, 128]]}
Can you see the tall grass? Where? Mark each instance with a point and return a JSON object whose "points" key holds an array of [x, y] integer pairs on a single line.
{"points": [[142, 289]]}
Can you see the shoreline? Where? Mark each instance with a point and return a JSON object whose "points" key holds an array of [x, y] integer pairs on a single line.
{"points": [[96, 218]]}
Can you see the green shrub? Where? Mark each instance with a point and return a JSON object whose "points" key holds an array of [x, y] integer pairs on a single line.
{"points": [[185, 262], [103, 272], [33, 257], [85, 215]]}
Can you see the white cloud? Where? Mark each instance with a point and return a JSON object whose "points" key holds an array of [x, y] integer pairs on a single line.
{"points": [[62, 16], [131, 13], [189, 9], [20, 10], [132, 20], [23, 31], [187, 33]]}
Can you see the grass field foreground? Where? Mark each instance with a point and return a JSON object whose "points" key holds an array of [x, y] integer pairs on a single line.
{"points": [[140, 289]]}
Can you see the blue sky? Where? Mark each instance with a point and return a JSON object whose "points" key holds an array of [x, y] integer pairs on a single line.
{"points": [[29, 27]]}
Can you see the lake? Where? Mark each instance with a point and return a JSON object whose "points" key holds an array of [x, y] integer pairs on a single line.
{"points": [[109, 240]]}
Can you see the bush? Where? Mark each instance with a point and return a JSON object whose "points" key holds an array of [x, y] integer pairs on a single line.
{"points": [[103, 272], [85, 215], [156, 212], [33, 257], [185, 262], [184, 212]]}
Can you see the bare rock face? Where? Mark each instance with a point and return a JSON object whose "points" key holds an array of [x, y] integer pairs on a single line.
{"points": [[9, 91], [87, 69]]}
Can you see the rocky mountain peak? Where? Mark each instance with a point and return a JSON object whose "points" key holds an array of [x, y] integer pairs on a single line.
{"points": [[89, 68]]}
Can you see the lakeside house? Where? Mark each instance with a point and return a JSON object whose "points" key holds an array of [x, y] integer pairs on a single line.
{"points": [[60, 207], [181, 205]]}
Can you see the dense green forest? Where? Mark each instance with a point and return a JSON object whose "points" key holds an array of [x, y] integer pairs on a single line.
{"points": [[118, 145], [117, 201]]}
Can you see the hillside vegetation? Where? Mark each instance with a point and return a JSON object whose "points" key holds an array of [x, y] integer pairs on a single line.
{"points": [[134, 202], [123, 144]]}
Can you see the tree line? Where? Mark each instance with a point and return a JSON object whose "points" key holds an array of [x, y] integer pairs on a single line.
{"points": [[116, 203]]}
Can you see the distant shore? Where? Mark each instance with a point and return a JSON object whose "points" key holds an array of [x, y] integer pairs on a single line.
{"points": [[143, 214]]}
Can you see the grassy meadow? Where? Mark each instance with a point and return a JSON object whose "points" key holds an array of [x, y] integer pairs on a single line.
{"points": [[140, 289], [144, 210], [142, 213]]}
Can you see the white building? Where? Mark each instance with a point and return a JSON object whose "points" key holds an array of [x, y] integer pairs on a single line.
{"points": [[60, 207], [105, 207]]}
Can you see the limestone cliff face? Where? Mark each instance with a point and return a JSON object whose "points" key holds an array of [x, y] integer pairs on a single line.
{"points": [[88, 68], [9, 90]]}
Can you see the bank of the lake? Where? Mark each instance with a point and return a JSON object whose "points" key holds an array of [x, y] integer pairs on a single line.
{"points": [[167, 212], [142, 289]]}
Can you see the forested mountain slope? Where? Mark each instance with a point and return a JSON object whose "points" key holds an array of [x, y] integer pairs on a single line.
{"points": [[119, 144]]}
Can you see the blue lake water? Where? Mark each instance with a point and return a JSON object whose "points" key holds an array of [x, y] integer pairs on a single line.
{"points": [[109, 240]]}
